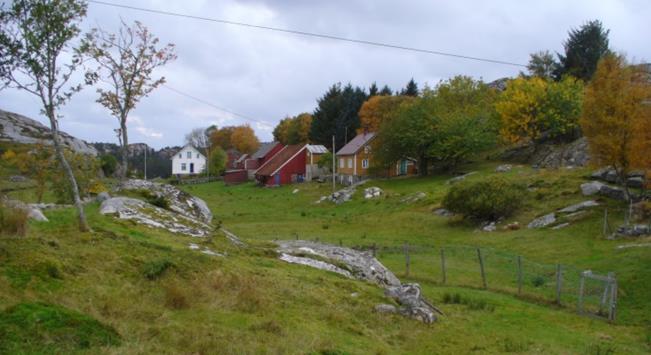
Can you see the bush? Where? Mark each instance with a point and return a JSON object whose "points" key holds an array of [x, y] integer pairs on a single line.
{"points": [[13, 221], [485, 200]]}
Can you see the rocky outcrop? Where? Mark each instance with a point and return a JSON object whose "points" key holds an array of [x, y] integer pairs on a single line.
{"points": [[579, 206], [363, 266], [179, 201], [635, 230], [504, 168], [149, 215], [599, 188], [543, 221], [343, 195], [33, 212], [372, 192], [634, 179], [20, 129], [551, 155]]}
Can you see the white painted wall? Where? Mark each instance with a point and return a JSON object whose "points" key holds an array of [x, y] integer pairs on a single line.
{"points": [[181, 158]]}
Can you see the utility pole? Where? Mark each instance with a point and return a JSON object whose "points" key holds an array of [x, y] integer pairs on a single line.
{"points": [[146, 148], [333, 164]]}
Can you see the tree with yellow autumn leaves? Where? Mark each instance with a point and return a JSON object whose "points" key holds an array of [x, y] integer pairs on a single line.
{"points": [[617, 117]]}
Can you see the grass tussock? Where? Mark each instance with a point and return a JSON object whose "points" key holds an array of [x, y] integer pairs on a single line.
{"points": [[471, 303], [13, 221], [154, 269], [176, 297]]}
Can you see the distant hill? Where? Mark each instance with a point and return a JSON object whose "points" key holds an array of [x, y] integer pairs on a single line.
{"points": [[20, 129]]}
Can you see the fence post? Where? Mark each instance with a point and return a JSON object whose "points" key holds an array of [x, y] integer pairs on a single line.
{"points": [[581, 289], [481, 268], [559, 283], [605, 232], [519, 275], [407, 259], [443, 272], [612, 310], [374, 249]]}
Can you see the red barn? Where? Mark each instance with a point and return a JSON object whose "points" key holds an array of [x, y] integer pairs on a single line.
{"points": [[237, 176], [286, 167], [264, 153]]}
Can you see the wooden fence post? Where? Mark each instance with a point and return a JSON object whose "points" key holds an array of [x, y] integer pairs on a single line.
{"points": [[559, 283], [605, 232], [443, 271], [481, 268], [407, 259], [612, 310], [581, 290], [519, 275]]}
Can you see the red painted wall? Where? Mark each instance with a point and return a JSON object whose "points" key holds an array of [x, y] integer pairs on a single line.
{"points": [[294, 166], [235, 177]]}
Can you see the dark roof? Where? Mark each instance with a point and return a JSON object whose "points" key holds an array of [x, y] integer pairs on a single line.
{"points": [[278, 160], [265, 148], [358, 142]]}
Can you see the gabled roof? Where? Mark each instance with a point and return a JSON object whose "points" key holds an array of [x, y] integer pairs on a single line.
{"points": [[182, 149], [242, 158], [316, 149], [356, 144], [280, 159], [264, 149]]}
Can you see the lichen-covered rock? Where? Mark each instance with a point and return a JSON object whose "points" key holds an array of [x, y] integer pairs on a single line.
{"points": [[443, 212], [386, 308], [579, 206], [149, 215], [635, 230], [591, 188], [411, 302], [543, 221], [551, 154], [179, 201], [504, 168], [360, 264], [372, 192], [102, 196]]}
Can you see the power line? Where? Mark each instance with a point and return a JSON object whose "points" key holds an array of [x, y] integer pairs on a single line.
{"points": [[215, 106], [310, 34]]}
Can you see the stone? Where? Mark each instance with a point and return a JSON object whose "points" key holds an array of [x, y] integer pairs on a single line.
{"points": [[179, 201], [635, 182], [579, 206], [513, 226], [20, 129], [193, 246], [443, 212], [414, 197], [149, 215], [363, 266], [591, 188], [489, 227], [503, 168], [543, 221], [560, 226], [37, 215], [411, 302], [635, 230], [461, 177], [616, 193], [17, 178], [386, 308], [102, 196], [33, 212], [233, 238], [295, 191], [372, 192], [634, 179], [551, 154]]}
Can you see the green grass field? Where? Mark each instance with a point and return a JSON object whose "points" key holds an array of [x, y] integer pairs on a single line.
{"points": [[130, 289]]}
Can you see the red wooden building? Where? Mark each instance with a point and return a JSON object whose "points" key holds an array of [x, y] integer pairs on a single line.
{"points": [[264, 153], [285, 167]]}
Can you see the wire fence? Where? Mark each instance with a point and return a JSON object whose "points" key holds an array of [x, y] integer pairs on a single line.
{"points": [[485, 268]]}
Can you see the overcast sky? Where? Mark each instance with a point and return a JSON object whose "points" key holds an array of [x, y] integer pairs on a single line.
{"points": [[268, 75]]}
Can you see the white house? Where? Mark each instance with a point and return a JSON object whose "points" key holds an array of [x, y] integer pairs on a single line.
{"points": [[188, 161]]}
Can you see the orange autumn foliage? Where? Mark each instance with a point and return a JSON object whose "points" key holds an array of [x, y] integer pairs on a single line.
{"points": [[379, 109]]}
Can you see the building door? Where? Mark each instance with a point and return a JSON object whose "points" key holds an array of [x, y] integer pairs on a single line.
{"points": [[277, 179], [191, 168], [403, 167]]}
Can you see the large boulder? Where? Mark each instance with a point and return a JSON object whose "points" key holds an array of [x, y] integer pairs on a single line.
{"points": [[551, 155], [149, 215], [543, 221], [634, 179], [20, 129], [33, 212], [372, 192], [591, 188], [411, 302], [179, 201]]}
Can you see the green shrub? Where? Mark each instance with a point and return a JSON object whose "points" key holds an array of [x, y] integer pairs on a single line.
{"points": [[485, 200], [156, 268], [39, 328], [13, 221], [538, 281]]}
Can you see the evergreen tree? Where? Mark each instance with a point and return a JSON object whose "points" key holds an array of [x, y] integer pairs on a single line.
{"points": [[373, 90], [542, 64], [337, 114], [411, 89], [386, 91], [583, 49]]}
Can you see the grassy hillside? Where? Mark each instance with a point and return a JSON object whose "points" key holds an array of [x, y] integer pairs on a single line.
{"points": [[130, 289]]}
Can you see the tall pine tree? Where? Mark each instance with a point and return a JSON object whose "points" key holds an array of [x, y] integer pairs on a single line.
{"points": [[411, 89], [583, 49], [337, 114]]}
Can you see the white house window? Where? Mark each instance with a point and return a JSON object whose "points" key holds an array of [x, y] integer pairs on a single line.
{"points": [[180, 156], [197, 155], [365, 163], [350, 163], [341, 162], [182, 166], [189, 155], [367, 149]]}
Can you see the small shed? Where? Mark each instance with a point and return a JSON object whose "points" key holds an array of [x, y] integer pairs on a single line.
{"points": [[236, 176]]}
